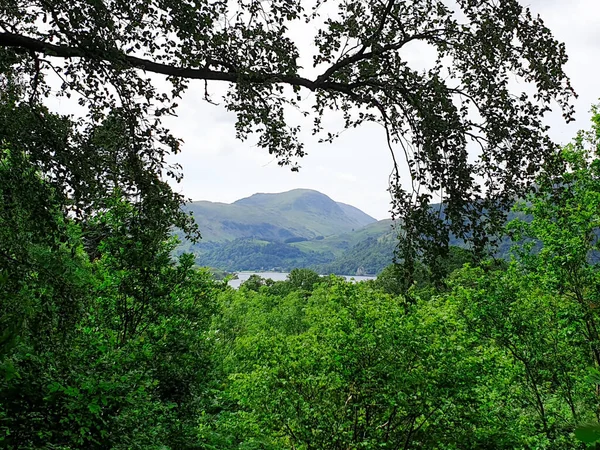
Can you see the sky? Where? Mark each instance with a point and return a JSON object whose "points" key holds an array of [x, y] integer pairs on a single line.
{"points": [[356, 167]]}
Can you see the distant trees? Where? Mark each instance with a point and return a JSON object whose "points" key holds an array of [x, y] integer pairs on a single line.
{"points": [[295, 239], [398, 279], [249, 254], [371, 254], [303, 279], [255, 282]]}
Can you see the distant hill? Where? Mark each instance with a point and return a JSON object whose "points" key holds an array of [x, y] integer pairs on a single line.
{"points": [[365, 251], [295, 229], [298, 228], [356, 214], [340, 243], [300, 214]]}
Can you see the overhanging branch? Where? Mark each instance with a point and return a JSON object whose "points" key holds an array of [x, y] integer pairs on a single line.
{"points": [[30, 44]]}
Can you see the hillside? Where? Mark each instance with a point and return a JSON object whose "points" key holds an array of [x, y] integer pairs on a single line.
{"points": [[340, 243], [283, 217], [298, 228], [364, 251], [294, 229]]}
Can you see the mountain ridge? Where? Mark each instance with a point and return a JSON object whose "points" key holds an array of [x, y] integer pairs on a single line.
{"points": [[276, 217], [286, 230], [295, 229]]}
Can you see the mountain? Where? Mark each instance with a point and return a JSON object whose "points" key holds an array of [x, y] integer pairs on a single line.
{"points": [[356, 214], [365, 251], [298, 228], [294, 229], [300, 214], [341, 243]]}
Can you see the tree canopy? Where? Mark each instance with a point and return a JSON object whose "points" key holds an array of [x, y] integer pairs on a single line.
{"points": [[103, 53], [502, 356], [107, 341]]}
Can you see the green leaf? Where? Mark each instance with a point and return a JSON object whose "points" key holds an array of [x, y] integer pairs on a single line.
{"points": [[589, 434]]}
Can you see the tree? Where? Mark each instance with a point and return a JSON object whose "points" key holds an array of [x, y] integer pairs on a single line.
{"points": [[563, 241], [41, 283], [103, 52], [152, 312], [254, 282], [108, 353], [351, 367], [539, 331], [563, 232], [303, 279], [542, 308], [393, 278]]}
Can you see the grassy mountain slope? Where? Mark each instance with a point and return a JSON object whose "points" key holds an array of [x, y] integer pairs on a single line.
{"points": [[360, 216], [339, 243], [298, 228], [219, 222], [300, 213], [295, 229]]}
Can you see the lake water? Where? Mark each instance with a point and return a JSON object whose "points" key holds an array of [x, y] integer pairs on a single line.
{"points": [[281, 276]]}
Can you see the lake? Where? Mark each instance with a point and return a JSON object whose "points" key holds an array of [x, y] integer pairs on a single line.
{"points": [[281, 276]]}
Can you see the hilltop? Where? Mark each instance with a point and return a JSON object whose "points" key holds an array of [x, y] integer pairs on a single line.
{"points": [[282, 217], [298, 228]]}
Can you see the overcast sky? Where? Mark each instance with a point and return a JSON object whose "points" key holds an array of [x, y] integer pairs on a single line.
{"points": [[355, 168]]}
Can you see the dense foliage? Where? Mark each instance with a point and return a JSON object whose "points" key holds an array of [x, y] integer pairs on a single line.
{"points": [[501, 355], [121, 346], [102, 352], [108, 341], [368, 257], [101, 53], [250, 254]]}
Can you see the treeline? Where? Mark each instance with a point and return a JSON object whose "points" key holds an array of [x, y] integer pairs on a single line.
{"points": [[251, 254], [370, 256], [107, 342]]}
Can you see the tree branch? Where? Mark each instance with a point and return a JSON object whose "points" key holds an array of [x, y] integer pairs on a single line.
{"points": [[361, 55], [30, 44]]}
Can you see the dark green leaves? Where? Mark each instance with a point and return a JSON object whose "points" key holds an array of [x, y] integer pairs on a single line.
{"points": [[433, 116], [589, 434]]}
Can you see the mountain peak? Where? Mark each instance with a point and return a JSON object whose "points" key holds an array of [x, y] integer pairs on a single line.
{"points": [[279, 197], [302, 213]]}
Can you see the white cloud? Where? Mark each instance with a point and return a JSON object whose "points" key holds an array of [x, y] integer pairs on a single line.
{"points": [[355, 168]]}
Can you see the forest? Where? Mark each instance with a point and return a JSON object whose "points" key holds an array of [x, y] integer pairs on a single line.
{"points": [[131, 349], [110, 339], [121, 346]]}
